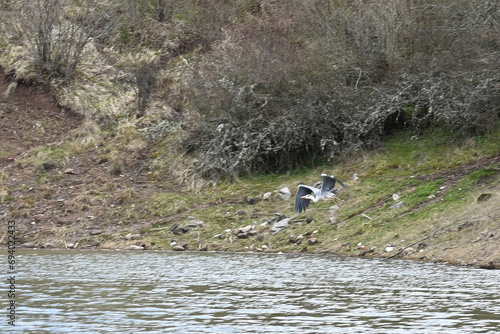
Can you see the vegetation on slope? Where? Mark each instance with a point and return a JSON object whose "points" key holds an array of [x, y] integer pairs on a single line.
{"points": [[181, 96]]}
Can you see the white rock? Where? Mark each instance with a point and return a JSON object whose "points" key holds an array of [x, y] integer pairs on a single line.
{"points": [[267, 195], [395, 197], [285, 193], [398, 205], [333, 208], [389, 249]]}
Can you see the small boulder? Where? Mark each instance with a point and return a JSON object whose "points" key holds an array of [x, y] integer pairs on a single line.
{"points": [[95, 232], [266, 195], [398, 205], [332, 209], [72, 245], [176, 229], [134, 247], [280, 225], [243, 229], [285, 193], [131, 236], [196, 223], [179, 248], [389, 249], [312, 241], [39, 217], [69, 171]]}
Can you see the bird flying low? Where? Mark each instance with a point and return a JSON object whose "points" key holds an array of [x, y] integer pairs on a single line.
{"points": [[306, 194]]}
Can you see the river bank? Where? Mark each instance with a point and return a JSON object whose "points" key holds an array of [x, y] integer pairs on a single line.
{"points": [[75, 183]]}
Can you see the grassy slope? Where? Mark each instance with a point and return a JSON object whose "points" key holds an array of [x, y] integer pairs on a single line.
{"points": [[117, 190]]}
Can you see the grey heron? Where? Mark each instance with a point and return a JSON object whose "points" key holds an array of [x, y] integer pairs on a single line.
{"points": [[306, 194]]}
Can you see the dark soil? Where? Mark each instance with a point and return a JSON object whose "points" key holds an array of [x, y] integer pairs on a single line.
{"points": [[29, 117]]}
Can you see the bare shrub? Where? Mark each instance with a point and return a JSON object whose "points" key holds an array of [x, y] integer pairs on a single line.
{"points": [[317, 81], [59, 30]]}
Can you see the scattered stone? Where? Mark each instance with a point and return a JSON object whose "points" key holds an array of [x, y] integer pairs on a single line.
{"points": [[219, 236], [408, 251], [395, 197], [241, 213], [355, 177], [252, 233], [389, 249], [245, 232], [134, 247], [398, 205], [285, 194], [48, 245], [131, 236], [332, 220], [69, 171], [484, 197], [203, 249], [243, 229], [39, 217], [28, 245], [72, 245], [179, 248], [267, 195], [280, 225], [95, 232], [332, 209], [312, 241], [196, 223], [176, 229]]}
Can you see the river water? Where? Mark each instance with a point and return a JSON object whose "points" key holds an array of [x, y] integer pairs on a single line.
{"points": [[165, 292]]}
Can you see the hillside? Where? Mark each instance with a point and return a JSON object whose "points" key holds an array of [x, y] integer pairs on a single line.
{"points": [[64, 194], [175, 125]]}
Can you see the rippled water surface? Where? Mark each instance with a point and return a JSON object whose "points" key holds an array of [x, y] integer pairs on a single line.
{"points": [[160, 292]]}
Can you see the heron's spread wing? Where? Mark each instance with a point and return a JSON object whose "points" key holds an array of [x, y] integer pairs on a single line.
{"points": [[302, 203], [342, 184], [328, 184]]}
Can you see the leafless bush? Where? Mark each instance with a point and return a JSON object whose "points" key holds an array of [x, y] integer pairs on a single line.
{"points": [[281, 93], [59, 30]]}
